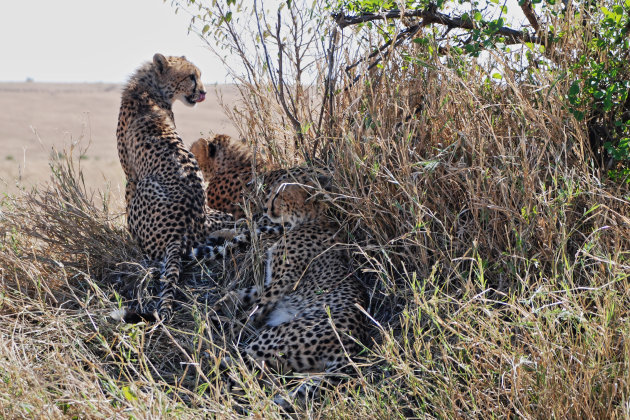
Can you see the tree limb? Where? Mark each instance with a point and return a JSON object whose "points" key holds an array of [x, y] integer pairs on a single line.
{"points": [[429, 16], [528, 10]]}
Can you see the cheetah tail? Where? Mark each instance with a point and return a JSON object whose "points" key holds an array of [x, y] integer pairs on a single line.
{"points": [[169, 279], [216, 248]]}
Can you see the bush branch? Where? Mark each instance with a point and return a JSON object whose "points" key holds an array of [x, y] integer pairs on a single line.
{"points": [[528, 11], [430, 15]]}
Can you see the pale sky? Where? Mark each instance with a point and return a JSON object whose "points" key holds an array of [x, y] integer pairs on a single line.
{"points": [[100, 40], [94, 40]]}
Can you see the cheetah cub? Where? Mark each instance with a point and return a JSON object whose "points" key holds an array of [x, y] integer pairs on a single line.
{"points": [[166, 214], [233, 176], [309, 302]]}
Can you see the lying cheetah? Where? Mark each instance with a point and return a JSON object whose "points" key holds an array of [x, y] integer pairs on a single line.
{"points": [[228, 169], [165, 199], [309, 305]]}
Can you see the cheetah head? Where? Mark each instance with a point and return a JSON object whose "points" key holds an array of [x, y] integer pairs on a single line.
{"points": [[220, 154], [179, 79], [205, 153], [295, 203]]}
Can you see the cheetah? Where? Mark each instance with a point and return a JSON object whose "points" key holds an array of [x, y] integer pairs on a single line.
{"points": [[234, 179], [165, 201], [229, 170], [226, 167], [310, 302]]}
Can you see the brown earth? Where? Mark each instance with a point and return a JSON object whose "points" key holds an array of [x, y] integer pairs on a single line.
{"points": [[37, 117]]}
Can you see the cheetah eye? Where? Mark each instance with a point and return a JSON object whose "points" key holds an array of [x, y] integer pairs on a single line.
{"points": [[192, 77]]}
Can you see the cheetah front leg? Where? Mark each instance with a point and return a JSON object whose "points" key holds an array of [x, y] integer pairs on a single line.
{"points": [[283, 273], [218, 242]]}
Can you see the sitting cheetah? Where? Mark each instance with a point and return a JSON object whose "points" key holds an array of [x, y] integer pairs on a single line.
{"points": [[309, 303], [228, 169], [165, 199]]}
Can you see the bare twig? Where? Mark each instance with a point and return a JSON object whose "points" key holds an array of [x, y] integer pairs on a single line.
{"points": [[237, 43], [278, 85], [281, 96], [329, 87]]}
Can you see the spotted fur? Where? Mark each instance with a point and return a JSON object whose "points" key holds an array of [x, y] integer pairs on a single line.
{"points": [[164, 192], [309, 303], [227, 167], [229, 170]]}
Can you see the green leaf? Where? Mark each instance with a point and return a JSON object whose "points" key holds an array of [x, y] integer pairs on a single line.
{"points": [[205, 29], [574, 89], [497, 76], [608, 103], [579, 115], [592, 209], [477, 16], [128, 394]]}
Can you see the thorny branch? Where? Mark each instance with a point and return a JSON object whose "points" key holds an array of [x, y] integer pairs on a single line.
{"points": [[431, 15]]}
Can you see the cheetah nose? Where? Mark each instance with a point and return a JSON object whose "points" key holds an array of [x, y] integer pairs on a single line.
{"points": [[202, 96]]}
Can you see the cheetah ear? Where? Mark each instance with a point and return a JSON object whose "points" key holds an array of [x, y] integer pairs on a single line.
{"points": [[198, 147], [160, 62]]}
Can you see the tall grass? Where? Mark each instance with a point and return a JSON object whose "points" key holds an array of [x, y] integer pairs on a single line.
{"points": [[496, 255]]}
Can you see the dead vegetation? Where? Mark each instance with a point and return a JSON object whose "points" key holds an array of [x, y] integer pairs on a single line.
{"points": [[496, 254]]}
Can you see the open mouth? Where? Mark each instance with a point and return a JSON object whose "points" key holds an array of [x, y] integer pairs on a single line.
{"points": [[193, 99]]}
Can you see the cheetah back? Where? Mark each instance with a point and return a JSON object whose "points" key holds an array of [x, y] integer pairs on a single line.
{"points": [[164, 193]]}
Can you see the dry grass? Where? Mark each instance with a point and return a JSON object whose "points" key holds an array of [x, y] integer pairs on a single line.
{"points": [[497, 258]]}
